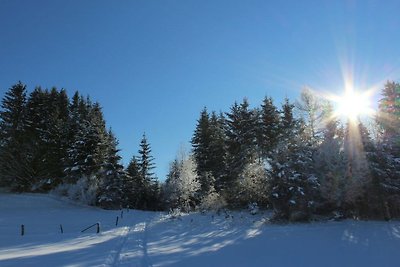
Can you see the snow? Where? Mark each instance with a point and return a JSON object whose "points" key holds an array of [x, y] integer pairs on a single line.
{"points": [[156, 239]]}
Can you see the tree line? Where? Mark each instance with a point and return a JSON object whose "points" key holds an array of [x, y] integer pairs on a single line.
{"points": [[51, 142], [297, 159]]}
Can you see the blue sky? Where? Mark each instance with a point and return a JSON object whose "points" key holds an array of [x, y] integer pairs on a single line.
{"points": [[153, 65]]}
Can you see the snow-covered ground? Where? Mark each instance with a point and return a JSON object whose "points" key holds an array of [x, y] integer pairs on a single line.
{"points": [[154, 239]]}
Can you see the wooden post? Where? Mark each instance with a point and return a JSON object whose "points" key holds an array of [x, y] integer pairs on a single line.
{"points": [[61, 229], [98, 228], [22, 229], [116, 222]]}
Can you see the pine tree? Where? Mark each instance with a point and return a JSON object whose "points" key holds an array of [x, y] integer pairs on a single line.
{"points": [[330, 164], [241, 140], [87, 152], [133, 189], [201, 142], [389, 113], [170, 195], [14, 168], [77, 125], [150, 190], [217, 154], [358, 177], [113, 177], [294, 185], [47, 116], [387, 164], [208, 144], [268, 128]]}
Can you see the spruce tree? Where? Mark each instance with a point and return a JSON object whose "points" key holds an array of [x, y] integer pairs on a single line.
{"points": [[241, 140], [133, 189], [268, 128], [150, 190], [330, 164], [294, 185], [113, 177], [14, 169], [217, 154], [388, 148], [201, 142], [360, 152]]}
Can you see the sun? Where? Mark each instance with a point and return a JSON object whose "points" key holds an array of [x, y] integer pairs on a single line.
{"points": [[353, 104]]}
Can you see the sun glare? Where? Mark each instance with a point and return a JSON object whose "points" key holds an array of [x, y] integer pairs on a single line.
{"points": [[353, 104]]}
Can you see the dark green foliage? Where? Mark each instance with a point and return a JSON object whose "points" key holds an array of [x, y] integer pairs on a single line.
{"points": [[268, 128], [294, 185], [209, 149], [87, 151], [387, 160], [330, 164], [201, 143], [217, 152], [14, 169], [144, 191], [133, 185], [241, 140], [113, 179], [46, 140]]}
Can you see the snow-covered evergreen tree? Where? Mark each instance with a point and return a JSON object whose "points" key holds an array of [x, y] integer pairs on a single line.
{"points": [[14, 169], [358, 176], [241, 142], [209, 152], [133, 185], [217, 152], [148, 185], [388, 162], [201, 142], [329, 163], [294, 185], [268, 128], [112, 177]]}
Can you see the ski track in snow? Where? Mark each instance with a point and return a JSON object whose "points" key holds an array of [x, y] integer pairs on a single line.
{"points": [[113, 258], [132, 250]]}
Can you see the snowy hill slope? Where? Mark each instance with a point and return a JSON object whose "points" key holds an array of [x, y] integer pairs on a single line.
{"points": [[154, 239]]}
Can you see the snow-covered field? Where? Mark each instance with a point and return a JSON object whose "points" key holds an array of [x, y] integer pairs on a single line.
{"points": [[154, 239]]}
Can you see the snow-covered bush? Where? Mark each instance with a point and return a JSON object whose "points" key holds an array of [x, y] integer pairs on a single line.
{"points": [[84, 191], [182, 186], [212, 201], [175, 214], [253, 208], [252, 185]]}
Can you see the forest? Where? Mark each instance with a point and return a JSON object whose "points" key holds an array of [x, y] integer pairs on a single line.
{"points": [[297, 159]]}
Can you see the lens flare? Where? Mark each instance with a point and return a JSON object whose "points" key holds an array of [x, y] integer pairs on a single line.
{"points": [[353, 104]]}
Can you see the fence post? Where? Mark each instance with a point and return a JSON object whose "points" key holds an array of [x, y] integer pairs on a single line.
{"points": [[22, 229], [98, 228], [61, 229], [116, 222]]}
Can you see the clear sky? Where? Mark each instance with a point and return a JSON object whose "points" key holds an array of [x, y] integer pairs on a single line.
{"points": [[153, 65]]}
